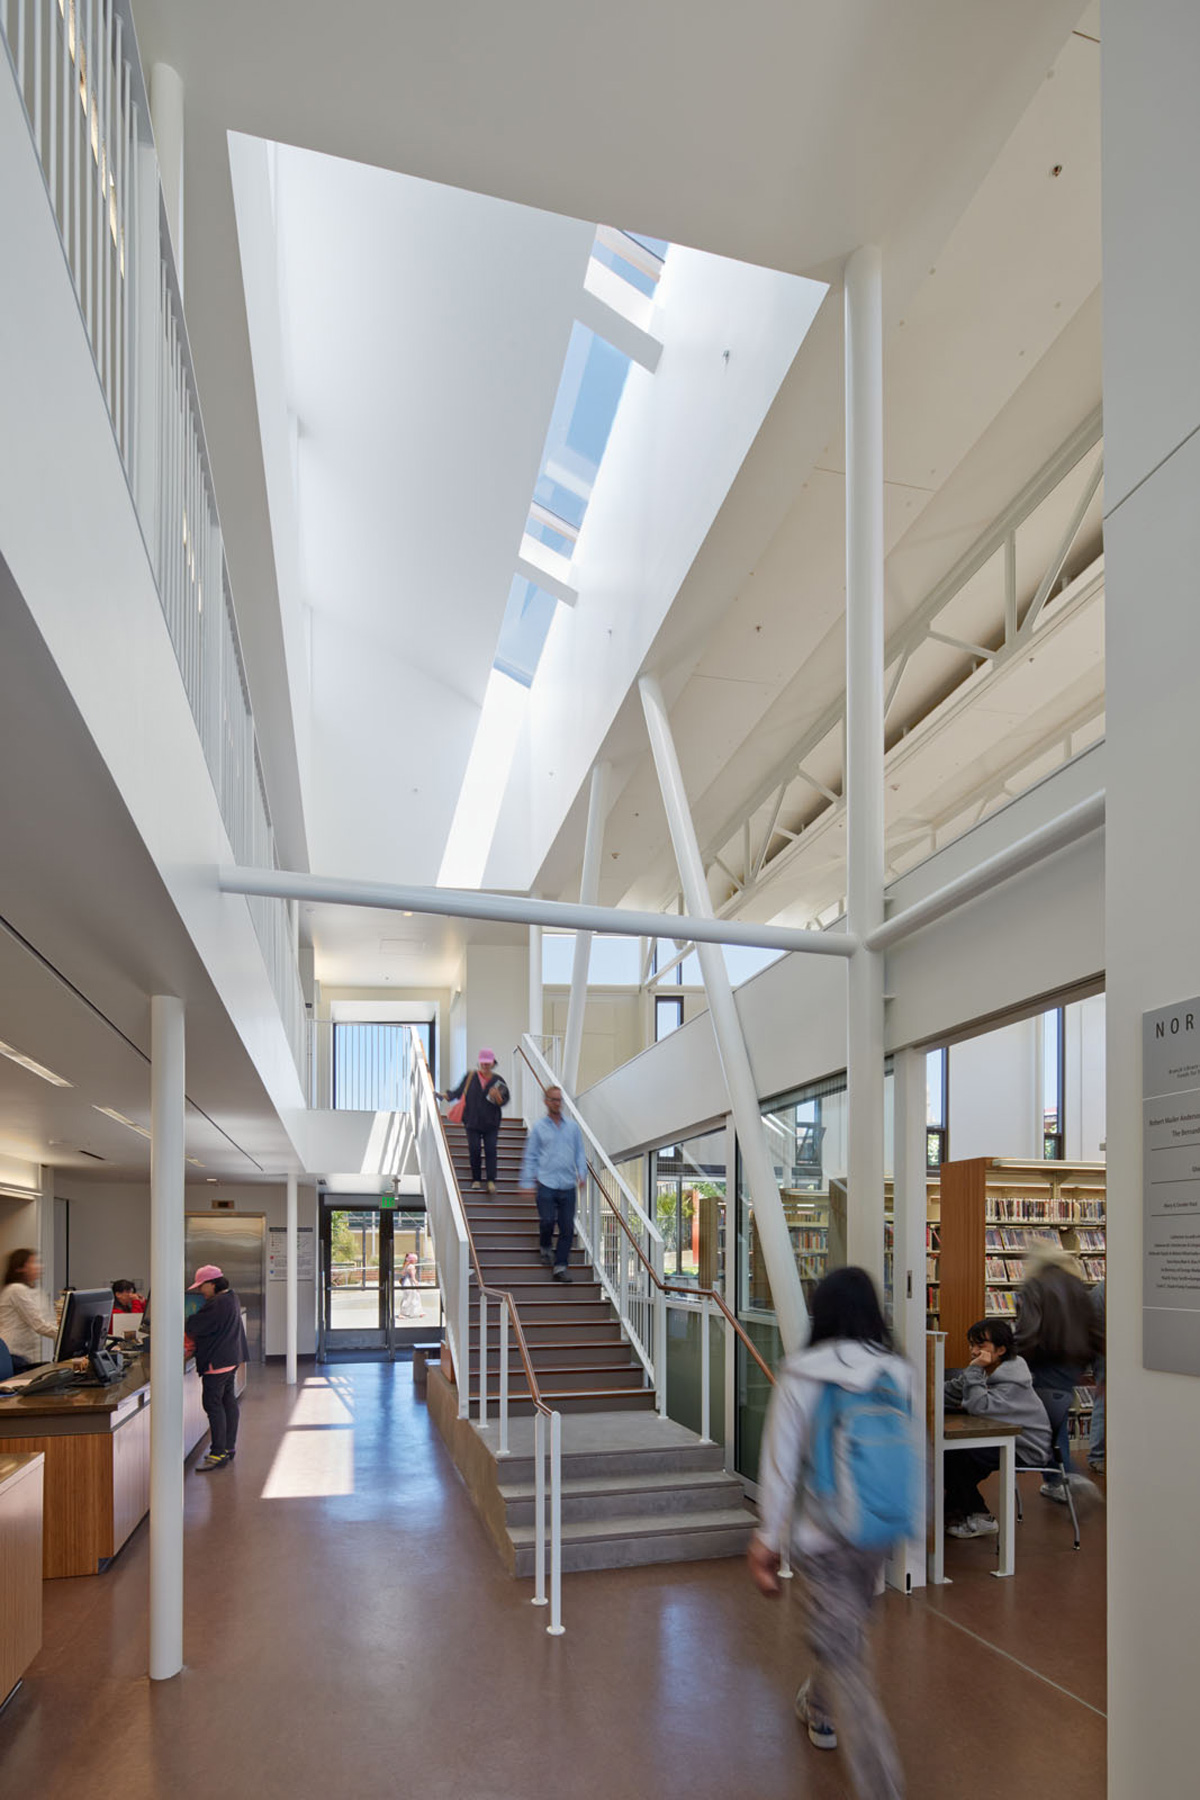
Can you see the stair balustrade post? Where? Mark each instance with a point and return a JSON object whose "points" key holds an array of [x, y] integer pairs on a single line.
{"points": [[660, 1330], [555, 1627], [504, 1378], [483, 1351], [705, 1398], [623, 1252], [539, 1508]]}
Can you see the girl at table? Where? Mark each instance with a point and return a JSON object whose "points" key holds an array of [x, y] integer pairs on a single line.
{"points": [[996, 1384]]}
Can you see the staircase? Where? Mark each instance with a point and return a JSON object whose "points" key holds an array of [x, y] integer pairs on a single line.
{"points": [[636, 1488], [582, 1361]]}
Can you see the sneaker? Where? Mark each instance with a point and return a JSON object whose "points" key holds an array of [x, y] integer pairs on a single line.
{"points": [[1084, 1492], [820, 1729], [1054, 1490], [547, 1257], [491, 1187], [475, 1186], [562, 1274], [216, 1459], [978, 1525]]}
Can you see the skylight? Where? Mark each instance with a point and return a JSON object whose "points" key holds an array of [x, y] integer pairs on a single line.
{"points": [[523, 634], [635, 258], [589, 393], [488, 770]]}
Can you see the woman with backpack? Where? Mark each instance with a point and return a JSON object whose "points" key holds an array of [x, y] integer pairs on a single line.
{"points": [[839, 1485]]}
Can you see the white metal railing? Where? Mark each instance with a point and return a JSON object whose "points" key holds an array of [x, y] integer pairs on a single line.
{"points": [[613, 1227], [76, 66], [447, 1219]]}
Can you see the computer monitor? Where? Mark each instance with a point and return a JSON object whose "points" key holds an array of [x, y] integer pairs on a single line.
{"points": [[80, 1307]]}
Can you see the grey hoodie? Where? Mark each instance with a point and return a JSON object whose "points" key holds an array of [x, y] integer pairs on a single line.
{"points": [[1006, 1394], [799, 1381]]}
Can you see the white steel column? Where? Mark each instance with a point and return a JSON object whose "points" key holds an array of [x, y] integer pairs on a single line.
{"points": [[589, 888], [790, 1311], [52, 1276], [906, 1570], [864, 752], [166, 1340], [292, 1282], [531, 1091], [166, 116]]}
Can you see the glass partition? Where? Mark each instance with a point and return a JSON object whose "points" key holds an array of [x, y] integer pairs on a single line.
{"points": [[688, 1181]]}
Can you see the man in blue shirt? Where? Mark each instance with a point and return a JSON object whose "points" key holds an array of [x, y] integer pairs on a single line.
{"points": [[554, 1162]]}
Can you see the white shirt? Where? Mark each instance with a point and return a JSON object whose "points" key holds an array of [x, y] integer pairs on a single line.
{"points": [[26, 1317]]}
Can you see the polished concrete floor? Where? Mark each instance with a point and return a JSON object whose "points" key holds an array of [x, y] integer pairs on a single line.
{"points": [[350, 1633]]}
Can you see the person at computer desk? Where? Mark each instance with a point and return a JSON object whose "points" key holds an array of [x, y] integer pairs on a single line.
{"points": [[219, 1339], [26, 1315], [126, 1298]]}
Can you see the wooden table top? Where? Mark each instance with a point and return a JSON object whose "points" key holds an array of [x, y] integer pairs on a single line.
{"points": [[88, 1400], [970, 1425]]}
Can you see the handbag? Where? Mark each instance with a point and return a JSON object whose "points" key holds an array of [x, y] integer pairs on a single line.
{"points": [[455, 1113]]}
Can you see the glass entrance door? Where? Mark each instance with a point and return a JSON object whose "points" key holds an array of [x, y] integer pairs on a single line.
{"points": [[375, 1299]]}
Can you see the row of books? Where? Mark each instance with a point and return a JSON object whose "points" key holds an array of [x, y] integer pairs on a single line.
{"points": [[1091, 1240], [1001, 1303], [1001, 1268], [1093, 1267], [1019, 1237], [933, 1236], [1042, 1209], [811, 1238]]}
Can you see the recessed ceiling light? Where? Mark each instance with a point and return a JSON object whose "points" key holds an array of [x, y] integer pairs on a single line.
{"points": [[110, 1112], [211, 1178], [35, 1068]]}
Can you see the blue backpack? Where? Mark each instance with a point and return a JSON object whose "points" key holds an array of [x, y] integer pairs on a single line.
{"points": [[862, 1477]]}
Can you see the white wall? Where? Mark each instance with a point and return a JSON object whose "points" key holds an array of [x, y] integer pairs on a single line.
{"points": [[1151, 173], [995, 1093], [496, 997], [110, 1237], [1086, 1128]]}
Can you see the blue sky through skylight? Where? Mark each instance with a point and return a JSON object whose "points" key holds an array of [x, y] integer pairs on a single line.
{"points": [[523, 633]]}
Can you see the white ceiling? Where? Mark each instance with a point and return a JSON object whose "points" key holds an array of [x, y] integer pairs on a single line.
{"points": [[785, 136]]}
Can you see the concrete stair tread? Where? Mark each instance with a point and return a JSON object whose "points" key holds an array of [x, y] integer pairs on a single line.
{"points": [[642, 1525], [581, 1486]]}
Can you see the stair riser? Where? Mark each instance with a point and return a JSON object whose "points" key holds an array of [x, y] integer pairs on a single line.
{"points": [[603, 1400], [595, 1329], [615, 1465], [569, 1356], [631, 1553], [581, 1508], [552, 1381]]}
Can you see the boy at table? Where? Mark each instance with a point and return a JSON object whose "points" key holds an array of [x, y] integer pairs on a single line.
{"points": [[996, 1384]]}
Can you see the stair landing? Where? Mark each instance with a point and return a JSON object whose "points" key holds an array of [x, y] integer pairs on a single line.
{"points": [[636, 1489]]}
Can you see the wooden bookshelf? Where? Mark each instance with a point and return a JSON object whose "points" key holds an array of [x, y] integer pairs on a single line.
{"points": [[993, 1211]]}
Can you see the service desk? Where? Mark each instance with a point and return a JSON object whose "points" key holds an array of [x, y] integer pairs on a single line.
{"points": [[20, 1566], [96, 1442]]}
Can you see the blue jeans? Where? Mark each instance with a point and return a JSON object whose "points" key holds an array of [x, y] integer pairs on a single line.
{"points": [[1096, 1440], [556, 1206]]}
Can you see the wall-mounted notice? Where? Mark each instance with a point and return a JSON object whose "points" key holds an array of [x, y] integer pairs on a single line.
{"points": [[1171, 1188], [277, 1253]]}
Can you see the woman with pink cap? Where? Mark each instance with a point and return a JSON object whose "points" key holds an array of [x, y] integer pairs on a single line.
{"points": [[483, 1093], [219, 1338]]}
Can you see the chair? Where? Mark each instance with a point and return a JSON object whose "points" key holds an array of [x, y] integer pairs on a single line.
{"points": [[6, 1361], [1057, 1405]]}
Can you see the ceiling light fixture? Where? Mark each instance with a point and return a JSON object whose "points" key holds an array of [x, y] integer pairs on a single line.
{"points": [[35, 1068], [211, 1178], [195, 1162], [110, 1112]]}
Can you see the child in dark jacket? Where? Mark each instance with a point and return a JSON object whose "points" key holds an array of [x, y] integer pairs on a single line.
{"points": [[996, 1384]]}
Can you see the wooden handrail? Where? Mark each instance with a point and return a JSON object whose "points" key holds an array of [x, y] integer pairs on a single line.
{"points": [[667, 1287], [504, 1294], [663, 1286]]}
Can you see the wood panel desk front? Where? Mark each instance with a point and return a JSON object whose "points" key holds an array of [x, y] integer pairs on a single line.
{"points": [[20, 1566], [96, 1442]]}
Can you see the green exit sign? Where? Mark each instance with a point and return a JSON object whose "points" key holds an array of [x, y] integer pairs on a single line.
{"points": [[388, 1202]]}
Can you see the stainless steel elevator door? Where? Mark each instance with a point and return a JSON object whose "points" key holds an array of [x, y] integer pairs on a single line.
{"points": [[236, 1243]]}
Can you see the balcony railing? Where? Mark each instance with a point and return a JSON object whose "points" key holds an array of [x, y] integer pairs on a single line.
{"points": [[76, 66]]}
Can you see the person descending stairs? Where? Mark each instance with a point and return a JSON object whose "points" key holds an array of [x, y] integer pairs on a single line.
{"points": [[582, 1361]]}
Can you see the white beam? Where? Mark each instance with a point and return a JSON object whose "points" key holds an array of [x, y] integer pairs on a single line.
{"points": [[602, 308], [788, 1296], [589, 887], [864, 753], [293, 1290], [547, 569], [517, 909], [1078, 822], [167, 1283]]}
